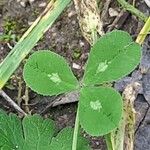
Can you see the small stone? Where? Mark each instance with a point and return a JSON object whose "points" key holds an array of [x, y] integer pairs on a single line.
{"points": [[145, 63], [97, 143], [31, 1], [73, 22], [147, 2], [136, 76], [30, 23], [76, 66], [142, 136], [23, 4], [43, 4], [146, 86], [81, 43], [113, 12], [72, 13], [141, 107]]}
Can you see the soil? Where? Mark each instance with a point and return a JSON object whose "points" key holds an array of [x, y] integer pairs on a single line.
{"points": [[65, 38]]}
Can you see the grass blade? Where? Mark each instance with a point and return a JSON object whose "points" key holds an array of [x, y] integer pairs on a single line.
{"points": [[30, 38]]}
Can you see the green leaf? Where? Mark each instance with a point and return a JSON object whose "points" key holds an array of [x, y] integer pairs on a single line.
{"points": [[100, 110], [114, 56], [34, 133], [49, 74], [37, 132], [30, 38], [11, 136], [63, 141]]}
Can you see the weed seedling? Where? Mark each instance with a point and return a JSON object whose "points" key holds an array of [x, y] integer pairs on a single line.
{"points": [[100, 107]]}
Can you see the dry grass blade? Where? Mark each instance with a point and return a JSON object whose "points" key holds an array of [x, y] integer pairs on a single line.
{"points": [[12, 103], [129, 94]]}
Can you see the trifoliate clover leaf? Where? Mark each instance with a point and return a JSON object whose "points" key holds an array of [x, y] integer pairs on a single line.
{"points": [[49, 74], [112, 57], [100, 110]]}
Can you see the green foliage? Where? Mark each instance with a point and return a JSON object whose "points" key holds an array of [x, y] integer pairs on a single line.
{"points": [[50, 77], [65, 138], [111, 58], [9, 25], [7, 37], [100, 109], [76, 53], [33, 133], [11, 28]]}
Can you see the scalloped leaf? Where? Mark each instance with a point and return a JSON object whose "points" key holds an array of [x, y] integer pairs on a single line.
{"points": [[100, 110], [37, 132], [63, 141], [113, 56], [49, 74], [11, 136], [34, 133]]}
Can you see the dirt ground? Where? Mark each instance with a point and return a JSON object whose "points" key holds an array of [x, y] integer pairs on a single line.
{"points": [[65, 38]]}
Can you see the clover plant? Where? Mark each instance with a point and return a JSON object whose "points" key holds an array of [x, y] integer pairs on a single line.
{"points": [[100, 107]]}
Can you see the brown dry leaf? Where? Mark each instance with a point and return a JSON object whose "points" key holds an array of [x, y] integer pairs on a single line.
{"points": [[122, 138], [130, 94], [89, 18]]}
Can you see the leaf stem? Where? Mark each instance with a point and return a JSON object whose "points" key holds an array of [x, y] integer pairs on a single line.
{"points": [[143, 33], [94, 36], [76, 131], [108, 141], [133, 10]]}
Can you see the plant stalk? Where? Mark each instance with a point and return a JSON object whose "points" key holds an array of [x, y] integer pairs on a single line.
{"points": [[76, 131], [143, 33], [133, 10], [109, 142], [94, 36]]}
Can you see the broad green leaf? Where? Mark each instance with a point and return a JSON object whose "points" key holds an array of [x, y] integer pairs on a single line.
{"points": [[49, 74], [11, 136], [63, 141], [33, 133], [37, 133], [100, 110], [113, 56]]}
